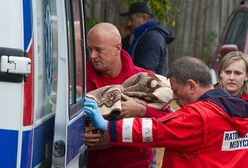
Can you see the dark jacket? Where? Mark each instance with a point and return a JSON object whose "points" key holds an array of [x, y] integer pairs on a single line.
{"points": [[149, 48], [243, 96]]}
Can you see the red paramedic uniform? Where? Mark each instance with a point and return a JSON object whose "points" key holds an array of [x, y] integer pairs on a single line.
{"points": [[212, 132]]}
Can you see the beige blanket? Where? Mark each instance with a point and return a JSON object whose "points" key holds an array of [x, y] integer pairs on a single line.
{"points": [[149, 89]]}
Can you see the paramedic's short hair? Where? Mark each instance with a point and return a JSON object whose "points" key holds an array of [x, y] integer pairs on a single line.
{"points": [[186, 67]]}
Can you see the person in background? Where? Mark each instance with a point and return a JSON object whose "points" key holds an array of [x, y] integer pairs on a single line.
{"points": [[109, 64], [233, 74], [149, 45], [126, 36], [148, 48], [210, 130]]}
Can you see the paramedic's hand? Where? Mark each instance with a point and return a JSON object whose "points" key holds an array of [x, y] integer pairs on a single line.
{"points": [[131, 108], [92, 111]]}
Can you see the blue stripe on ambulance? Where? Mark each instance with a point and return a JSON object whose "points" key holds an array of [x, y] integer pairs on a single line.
{"points": [[27, 19], [26, 149], [43, 141], [74, 139], [8, 152]]}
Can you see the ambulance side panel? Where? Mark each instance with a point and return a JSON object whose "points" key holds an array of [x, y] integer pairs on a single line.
{"points": [[45, 69], [42, 111], [70, 120], [12, 128]]}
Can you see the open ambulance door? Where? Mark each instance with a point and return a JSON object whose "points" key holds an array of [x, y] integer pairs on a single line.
{"points": [[15, 69], [42, 83], [69, 119]]}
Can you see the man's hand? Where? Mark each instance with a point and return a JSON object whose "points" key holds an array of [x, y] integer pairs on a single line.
{"points": [[92, 111], [92, 136], [131, 108], [95, 139]]}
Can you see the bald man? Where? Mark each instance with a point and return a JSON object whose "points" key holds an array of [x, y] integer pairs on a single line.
{"points": [[109, 65], [104, 47]]}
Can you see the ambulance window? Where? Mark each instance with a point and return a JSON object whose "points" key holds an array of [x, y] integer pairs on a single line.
{"points": [[78, 51], [76, 55], [46, 52]]}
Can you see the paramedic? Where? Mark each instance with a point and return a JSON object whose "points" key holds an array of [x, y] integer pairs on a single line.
{"points": [[149, 45], [210, 130]]}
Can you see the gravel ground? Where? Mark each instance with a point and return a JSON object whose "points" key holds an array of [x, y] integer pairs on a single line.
{"points": [[160, 151], [160, 154]]}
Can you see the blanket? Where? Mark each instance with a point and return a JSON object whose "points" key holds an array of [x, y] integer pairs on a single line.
{"points": [[148, 89]]}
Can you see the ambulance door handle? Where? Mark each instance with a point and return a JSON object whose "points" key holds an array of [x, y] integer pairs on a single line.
{"points": [[59, 148], [15, 65]]}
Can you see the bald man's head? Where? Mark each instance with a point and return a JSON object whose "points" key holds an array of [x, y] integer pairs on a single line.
{"points": [[106, 31], [104, 45]]}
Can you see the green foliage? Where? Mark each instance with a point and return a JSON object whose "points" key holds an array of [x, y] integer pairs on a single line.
{"points": [[90, 23], [162, 9], [207, 45]]}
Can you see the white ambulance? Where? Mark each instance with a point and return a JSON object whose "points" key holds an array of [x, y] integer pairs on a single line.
{"points": [[42, 65]]}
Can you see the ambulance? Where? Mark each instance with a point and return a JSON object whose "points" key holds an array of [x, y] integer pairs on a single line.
{"points": [[42, 83]]}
